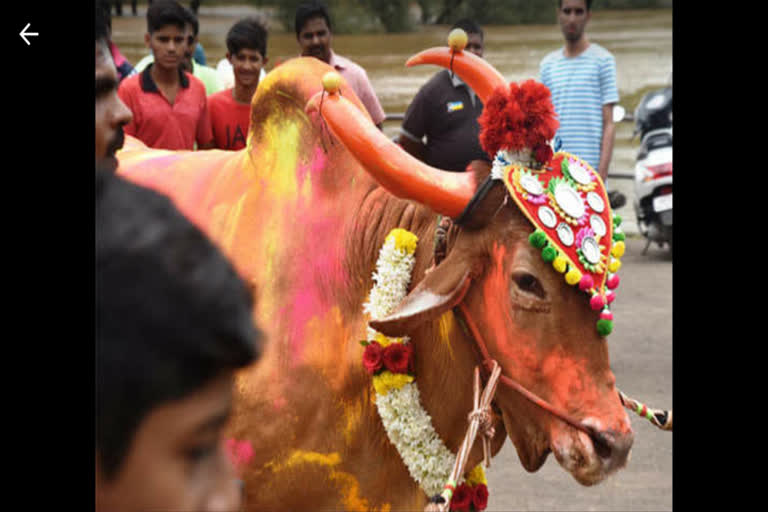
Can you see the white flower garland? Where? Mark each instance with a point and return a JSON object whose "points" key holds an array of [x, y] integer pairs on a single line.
{"points": [[408, 425]]}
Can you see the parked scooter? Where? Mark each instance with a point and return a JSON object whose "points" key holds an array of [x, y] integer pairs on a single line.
{"points": [[653, 167]]}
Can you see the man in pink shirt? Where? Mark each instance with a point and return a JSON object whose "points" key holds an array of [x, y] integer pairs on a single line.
{"points": [[313, 32]]}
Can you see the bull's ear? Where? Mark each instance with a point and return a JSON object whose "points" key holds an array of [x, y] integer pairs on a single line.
{"points": [[442, 289]]}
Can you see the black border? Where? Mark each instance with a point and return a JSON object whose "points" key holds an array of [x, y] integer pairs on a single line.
{"points": [[48, 257]]}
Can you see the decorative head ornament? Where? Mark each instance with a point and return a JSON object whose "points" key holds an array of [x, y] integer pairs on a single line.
{"points": [[559, 193]]}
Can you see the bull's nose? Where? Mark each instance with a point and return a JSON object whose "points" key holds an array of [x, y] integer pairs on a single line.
{"points": [[612, 447]]}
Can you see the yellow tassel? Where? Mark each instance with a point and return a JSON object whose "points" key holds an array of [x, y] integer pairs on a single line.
{"points": [[573, 277], [618, 249], [560, 264], [476, 476], [614, 265]]}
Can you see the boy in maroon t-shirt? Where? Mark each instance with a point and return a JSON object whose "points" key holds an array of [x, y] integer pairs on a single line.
{"points": [[168, 105], [230, 109]]}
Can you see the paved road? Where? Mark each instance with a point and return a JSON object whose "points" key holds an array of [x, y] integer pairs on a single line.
{"points": [[641, 359]]}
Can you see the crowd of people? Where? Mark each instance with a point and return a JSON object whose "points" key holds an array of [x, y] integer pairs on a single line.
{"points": [[165, 366]]}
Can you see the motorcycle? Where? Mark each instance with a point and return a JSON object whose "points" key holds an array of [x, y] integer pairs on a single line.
{"points": [[653, 167]]}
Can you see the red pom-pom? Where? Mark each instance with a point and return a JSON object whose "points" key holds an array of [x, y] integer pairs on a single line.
{"points": [[480, 497], [462, 498], [521, 117], [606, 315], [613, 281], [610, 297], [543, 153], [373, 357], [597, 302], [586, 283]]}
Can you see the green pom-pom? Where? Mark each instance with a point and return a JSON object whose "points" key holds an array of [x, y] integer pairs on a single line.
{"points": [[617, 220], [549, 254], [537, 239], [604, 327], [618, 236]]}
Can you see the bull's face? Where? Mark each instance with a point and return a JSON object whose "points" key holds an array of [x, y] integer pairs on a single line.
{"points": [[542, 333], [540, 329]]}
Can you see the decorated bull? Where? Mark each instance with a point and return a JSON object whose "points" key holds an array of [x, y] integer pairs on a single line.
{"points": [[335, 227]]}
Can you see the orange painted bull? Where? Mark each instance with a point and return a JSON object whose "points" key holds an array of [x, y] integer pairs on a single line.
{"points": [[303, 220]]}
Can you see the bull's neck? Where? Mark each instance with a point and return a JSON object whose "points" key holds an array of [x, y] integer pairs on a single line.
{"points": [[380, 213], [445, 355]]}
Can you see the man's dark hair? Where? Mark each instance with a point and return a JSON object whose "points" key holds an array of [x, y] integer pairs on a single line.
{"points": [[171, 312], [589, 4], [247, 33], [469, 26], [192, 20], [309, 10], [166, 12], [103, 20]]}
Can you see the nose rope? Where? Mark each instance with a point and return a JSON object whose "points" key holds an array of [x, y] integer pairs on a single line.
{"points": [[489, 362], [659, 417]]}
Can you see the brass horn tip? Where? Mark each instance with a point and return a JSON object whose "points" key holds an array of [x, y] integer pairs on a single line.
{"points": [[331, 82], [457, 39]]}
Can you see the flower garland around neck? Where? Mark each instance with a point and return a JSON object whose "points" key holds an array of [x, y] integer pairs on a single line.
{"points": [[390, 362]]}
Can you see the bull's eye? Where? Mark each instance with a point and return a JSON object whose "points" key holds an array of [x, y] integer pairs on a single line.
{"points": [[527, 283]]}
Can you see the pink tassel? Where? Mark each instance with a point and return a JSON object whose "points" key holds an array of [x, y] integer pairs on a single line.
{"points": [[597, 302]]}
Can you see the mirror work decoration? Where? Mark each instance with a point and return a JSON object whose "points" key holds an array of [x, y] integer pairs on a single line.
{"points": [[561, 194]]}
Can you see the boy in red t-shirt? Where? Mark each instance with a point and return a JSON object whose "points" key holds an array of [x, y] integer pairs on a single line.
{"points": [[168, 105], [230, 109]]}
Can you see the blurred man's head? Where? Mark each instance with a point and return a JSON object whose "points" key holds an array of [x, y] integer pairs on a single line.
{"points": [[475, 37], [166, 33], [247, 50], [173, 324], [313, 30], [573, 16], [111, 112], [192, 29]]}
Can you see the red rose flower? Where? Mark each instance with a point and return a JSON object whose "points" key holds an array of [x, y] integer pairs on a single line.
{"points": [[543, 153], [397, 357], [462, 498], [480, 497], [372, 357]]}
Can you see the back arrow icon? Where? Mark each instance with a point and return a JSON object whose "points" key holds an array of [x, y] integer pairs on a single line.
{"points": [[24, 34]]}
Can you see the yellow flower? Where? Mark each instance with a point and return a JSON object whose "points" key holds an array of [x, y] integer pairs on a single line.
{"points": [[404, 240], [385, 341], [476, 476], [385, 381]]}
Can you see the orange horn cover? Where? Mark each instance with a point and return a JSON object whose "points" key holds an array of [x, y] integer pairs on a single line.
{"points": [[392, 167], [474, 71]]}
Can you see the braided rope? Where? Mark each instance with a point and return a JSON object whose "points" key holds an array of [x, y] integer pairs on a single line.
{"points": [[481, 418], [659, 417]]}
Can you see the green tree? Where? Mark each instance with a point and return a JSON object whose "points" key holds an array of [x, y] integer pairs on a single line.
{"points": [[394, 15]]}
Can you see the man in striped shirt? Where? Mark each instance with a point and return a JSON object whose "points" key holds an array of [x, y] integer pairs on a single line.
{"points": [[582, 79]]}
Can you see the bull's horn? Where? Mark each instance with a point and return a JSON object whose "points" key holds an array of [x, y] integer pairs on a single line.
{"points": [[474, 71], [393, 168]]}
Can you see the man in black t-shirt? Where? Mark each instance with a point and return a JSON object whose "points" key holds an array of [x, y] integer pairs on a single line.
{"points": [[445, 111]]}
